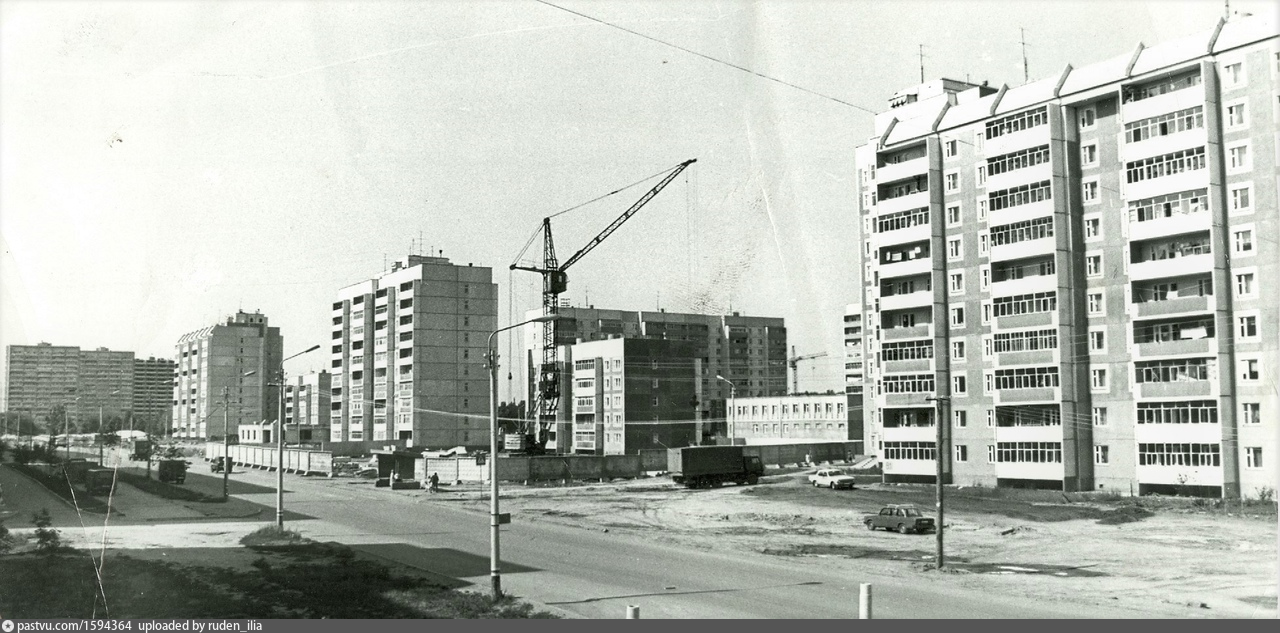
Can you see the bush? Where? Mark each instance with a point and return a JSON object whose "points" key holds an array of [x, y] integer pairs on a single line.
{"points": [[48, 540], [269, 535], [6, 539]]}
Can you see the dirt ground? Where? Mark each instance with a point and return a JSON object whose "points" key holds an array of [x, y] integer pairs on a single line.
{"points": [[1184, 561]]}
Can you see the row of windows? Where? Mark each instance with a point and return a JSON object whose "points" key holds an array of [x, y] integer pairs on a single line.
{"points": [[926, 451], [1164, 86], [1178, 370], [1026, 378], [1166, 206], [1029, 452], [1164, 125], [1022, 231], [1019, 269], [1028, 341], [1163, 454], [1020, 195], [1184, 247], [1193, 412], [902, 220], [1163, 332], [908, 350], [1017, 122], [1165, 165], [1018, 160], [1029, 415], [915, 383], [1025, 304]]}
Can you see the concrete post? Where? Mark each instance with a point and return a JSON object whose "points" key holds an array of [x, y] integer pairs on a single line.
{"points": [[633, 612], [864, 601]]}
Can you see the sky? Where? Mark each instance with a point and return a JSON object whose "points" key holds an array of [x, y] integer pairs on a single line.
{"points": [[165, 164]]}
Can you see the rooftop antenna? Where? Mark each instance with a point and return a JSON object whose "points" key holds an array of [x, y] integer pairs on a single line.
{"points": [[1026, 74], [922, 63]]}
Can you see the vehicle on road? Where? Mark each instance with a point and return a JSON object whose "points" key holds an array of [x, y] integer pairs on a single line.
{"points": [[172, 470], [832, 478], [99, 481], [903, 518], [711, 466]]}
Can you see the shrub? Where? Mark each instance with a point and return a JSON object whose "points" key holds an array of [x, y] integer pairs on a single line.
{"points": [[6, 539], [48, 540]]}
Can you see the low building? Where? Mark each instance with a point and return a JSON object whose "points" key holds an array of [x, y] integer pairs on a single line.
{"points": [[794, 418]]}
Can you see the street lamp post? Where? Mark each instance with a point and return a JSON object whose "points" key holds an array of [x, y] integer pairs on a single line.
{"points": [[280, 443], [226, 436], [939, 453], [733, 415], [495, 574]]}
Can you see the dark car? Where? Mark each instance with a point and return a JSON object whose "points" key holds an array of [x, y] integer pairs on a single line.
{"points": [[903, 518]]}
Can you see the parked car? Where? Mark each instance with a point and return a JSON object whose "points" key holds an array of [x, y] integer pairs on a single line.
{"points": [[832, 478], [903, 518]]}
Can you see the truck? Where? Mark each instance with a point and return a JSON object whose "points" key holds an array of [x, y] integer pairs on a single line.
{"points": [[172, 470], [99, 481], [711, 466], [141, 450]]}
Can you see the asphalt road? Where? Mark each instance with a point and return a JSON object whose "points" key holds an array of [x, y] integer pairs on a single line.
{"points": [[593, 574]]}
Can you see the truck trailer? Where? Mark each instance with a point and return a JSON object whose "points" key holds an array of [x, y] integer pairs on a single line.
{"points": [[711, 466]]}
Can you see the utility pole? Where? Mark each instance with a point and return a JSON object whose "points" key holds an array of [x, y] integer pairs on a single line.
{"points": [[226, 441], [939, 452]]}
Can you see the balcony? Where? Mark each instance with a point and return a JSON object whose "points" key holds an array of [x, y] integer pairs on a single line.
{"points": [[1184, 475], [1184, 181], [1015, 321], [1181, 347], [1178, 433], [909, 300], [1041, 394], [1029, 211], [916, 365], [1035, 357], [907, 268], [1166, 144], [1026, 175], [1046, 433], [1023, 139], [1180, 389], [1174, 306], [917, 233], [1028, 470], [910, 434], [903, 203], [903, 333], [1189, 97], [1172, 267], [900, 171], [907, 399], [909, 466], [1025, 286], [1172, 225]]}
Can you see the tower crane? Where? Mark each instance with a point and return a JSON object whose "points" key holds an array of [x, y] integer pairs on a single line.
{"points": [[794, 361], [554, 282]]}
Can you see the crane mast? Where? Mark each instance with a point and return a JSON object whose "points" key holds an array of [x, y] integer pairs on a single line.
{"points": [[794, 361], [554, 282]]}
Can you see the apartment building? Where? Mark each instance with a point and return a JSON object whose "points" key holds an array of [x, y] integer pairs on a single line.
{"points": [[227, 374], [153, 381], [1074, 267], [748, 352], [634, 394], [791, 418], [86, 383], [307, 407], [854, 356], [408, 355]]}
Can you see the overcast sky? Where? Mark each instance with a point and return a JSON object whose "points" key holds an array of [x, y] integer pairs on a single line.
{"points": [[163, 164]]}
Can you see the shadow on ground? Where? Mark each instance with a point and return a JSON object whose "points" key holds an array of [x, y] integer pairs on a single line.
{"points": [[447, 562], [953, 563]]}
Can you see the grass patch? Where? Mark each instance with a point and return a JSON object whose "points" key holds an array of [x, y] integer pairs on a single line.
{"points": [[165, 490], [315, 581], [61, 487], [271, 536]]}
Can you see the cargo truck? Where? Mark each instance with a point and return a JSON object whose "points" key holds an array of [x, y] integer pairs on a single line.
{"points": [[711, 466], [99, 481]]}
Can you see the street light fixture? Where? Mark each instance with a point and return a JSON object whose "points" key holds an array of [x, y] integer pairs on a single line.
{"points": [[495, 575], [733, 392], [280, 442]]}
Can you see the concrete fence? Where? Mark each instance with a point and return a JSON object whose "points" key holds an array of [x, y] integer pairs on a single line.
{"points": [[295, 460]]}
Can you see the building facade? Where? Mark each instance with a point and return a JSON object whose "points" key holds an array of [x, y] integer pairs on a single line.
{"points": [[854, 357], [1074, 267], [628, 395], [86, 383], [227, 374], [153, 381], [749, 352], [307, 407], [792, 418], [408, 355]]}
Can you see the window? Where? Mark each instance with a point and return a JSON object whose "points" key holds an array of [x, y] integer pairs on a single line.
{"points": [[1242, 241], [981, 175], [1101, 454], [1250, 370], [1186, 412], [983, 243], [1240, 200], [961, 418], [1021, 195], [1244, 285], [1164, 125], [1238, 158], [1091, 191], [962, 453], [957, 350], [1093, 265], [1098, 341], [950, 148], [960, 385], [986, 313], [1248, 326], [1092, 228], [991, 454], [1025, 341], [1233, 74], [1025, 304], [953, 215], [1099, 416], [1089, 155], [1253, 457], [957, 316], [955, 249], [1098, 379], [982, 207], [1235, 116], [952, 182], [984, 279], [956, 283], [1096, 303], [1088, 117], [1165, 165], [1250, 413]]}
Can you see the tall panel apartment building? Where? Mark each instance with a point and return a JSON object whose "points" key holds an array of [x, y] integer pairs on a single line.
{"points": [[153, 381], [1077, 264], [751, 352], [408, 355], [212, 364], [84, 382], [307, 407]]}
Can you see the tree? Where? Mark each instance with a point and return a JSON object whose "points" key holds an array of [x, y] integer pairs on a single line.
{"points": [[6, 539], [48, 540]]}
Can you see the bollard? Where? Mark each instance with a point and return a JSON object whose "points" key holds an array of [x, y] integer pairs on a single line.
{"points": [[633, 612], [864, 601]]}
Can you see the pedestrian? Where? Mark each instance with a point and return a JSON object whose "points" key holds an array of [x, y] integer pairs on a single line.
{"points": [[435, 482]]}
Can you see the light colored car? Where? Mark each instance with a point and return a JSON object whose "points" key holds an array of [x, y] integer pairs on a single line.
{"points": [[832, 478]]}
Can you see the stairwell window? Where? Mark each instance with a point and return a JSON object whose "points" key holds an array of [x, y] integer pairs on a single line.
{"points": [[1099, 416], [1091, 191], [1101, 454], [1250, 370], [1098, 380], [1236, 118], [1088, 118], [1089, 155], [1238, 158], [952, 182], [1241, 202], [1096, 303], [1242, 242], [1245, 287], [1093, 265]]}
